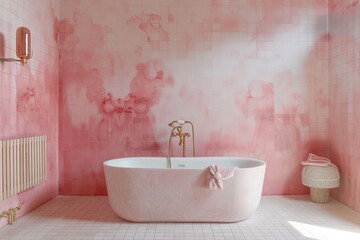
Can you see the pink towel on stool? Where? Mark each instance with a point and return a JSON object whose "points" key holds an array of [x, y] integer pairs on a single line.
{"points": [[218, 175], [314, 160]]}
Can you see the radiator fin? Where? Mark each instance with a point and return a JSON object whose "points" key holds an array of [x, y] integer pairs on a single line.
{"points": [[22, 164]]}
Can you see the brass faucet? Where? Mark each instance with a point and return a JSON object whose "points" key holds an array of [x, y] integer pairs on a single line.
{"points": [[177, 131], [10, 214]]}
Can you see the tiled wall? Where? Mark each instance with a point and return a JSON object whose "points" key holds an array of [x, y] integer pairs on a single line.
{"points": [[29, 93], [251, 75], [344, 21]]}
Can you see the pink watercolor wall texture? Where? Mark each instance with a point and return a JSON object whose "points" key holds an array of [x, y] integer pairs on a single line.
{"points": [[251, 75], [29, 93], [344, 77]]}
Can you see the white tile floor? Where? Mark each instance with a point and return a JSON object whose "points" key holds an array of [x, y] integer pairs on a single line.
{"points": [[278, 217]]}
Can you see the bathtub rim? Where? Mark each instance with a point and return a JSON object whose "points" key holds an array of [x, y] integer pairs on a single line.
{"points": [[259, 163]]}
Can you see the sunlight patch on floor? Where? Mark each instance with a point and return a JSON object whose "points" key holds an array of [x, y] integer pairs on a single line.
{"points": [[323, 233]]}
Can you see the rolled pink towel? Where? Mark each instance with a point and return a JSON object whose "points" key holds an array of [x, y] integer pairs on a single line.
{"points": [[314, 160], [218, 175]]}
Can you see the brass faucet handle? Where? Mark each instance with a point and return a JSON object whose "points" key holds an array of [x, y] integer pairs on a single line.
{"points": [[179, 129], [4, 213]]}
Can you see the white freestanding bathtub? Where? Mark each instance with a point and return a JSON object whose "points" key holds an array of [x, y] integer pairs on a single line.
{"points": [[145, 190]]}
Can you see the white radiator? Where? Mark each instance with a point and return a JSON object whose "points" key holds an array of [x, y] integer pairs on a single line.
{"points": [[22, 164]]}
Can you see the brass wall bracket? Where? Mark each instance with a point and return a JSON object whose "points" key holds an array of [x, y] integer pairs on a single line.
{"points": [[10, 214], [9, 60]]}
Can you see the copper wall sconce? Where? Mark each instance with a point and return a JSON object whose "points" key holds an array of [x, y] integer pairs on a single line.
{"points": [[23, 46]]}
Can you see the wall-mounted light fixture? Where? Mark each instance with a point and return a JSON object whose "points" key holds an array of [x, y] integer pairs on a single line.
{"points": [[23, 46]]}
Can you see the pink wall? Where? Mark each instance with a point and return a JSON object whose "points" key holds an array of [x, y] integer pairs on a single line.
{"points": [[29, 94], [344, 75], [251, 75]]}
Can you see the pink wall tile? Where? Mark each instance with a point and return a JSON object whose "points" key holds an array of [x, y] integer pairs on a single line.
{"points": [[344, 51], [255, 77], [29, 94], [252, 76]]}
